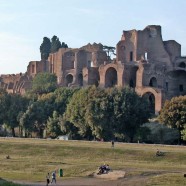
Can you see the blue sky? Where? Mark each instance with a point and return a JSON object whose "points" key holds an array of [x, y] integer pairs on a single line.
{"points": [[24, 23]]}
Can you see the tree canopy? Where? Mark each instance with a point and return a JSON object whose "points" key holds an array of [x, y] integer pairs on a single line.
{"points": [[109, 50], [107, 113], [44, 83], [50, 46], [173, 113], [45, 48], [12, 106]]}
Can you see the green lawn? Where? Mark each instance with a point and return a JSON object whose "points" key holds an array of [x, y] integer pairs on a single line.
{"points": [[31, 159]]}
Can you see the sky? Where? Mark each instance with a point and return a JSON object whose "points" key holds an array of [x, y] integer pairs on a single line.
{"points": [[24, 23]]}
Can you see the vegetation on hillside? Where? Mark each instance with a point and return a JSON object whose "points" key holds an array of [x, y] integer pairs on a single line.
{"points": [[90, 113], [50, 46]]}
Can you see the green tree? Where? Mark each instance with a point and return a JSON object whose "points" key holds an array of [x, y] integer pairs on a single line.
{"points": [[98, 113], [69, 129], [53, 125], [13, 105], [109, 50], [34, 119], [76, 112], [45, 48], [173, 113], [62, 98], [3, 104], [129, 112], [44, 83], [64, 45], [183, 133], [107, 113], [55, 44]]}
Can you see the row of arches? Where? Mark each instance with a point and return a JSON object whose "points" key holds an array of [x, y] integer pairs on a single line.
{"points": [[111, 80]]}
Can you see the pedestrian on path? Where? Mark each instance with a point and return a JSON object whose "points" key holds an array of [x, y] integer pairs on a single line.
{"points": [[47, 179], [53, 177]]}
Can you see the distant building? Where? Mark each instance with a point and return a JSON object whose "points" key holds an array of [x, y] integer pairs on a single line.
{"points": [[153, 67]]}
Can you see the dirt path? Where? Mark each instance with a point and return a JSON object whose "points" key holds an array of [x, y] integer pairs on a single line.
{"points": [[134, 180]]}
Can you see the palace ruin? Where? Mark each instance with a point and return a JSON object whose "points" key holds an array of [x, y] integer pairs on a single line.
{"points": [[153, 67]]}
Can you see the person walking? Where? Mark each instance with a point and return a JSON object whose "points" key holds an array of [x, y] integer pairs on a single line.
{"points": [[112, 142], [53, 177], [47, 179]]}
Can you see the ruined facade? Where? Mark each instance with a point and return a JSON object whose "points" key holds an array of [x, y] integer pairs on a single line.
{"points": [[153, 67]]}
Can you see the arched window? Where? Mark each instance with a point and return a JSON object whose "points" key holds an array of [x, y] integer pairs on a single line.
{"points": [[69, 79], [111, 77], [153, 82]]}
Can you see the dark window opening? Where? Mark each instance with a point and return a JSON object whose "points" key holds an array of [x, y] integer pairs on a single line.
{"points": [[182, 65], [153, 82], [181, 88], [131, 56], [72, 64], [33, 68], [167, 86], [89, 64], [131, 84]]}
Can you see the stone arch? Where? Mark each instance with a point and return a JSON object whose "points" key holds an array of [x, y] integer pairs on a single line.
{"points": [[153, 95], [153, 82], [111, 79], [117, 68], [151, 99], [182, 65], [69, 79]]}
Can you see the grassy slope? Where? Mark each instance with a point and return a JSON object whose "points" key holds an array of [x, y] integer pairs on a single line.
{"points": [[31, 159]]}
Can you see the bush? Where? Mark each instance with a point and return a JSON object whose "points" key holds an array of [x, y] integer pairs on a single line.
{"points": [[160, 134]]}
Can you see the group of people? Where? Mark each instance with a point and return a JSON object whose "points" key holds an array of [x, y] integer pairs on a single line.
{"points": [[53, 178], [104, 169]]}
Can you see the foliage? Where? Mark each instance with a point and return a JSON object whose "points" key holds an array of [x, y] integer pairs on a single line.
{"points": [[12, 105], [160, 134], [53, 125], [76, 111], [45, 48], [183, 133], [37, 114], [110, 50], [173, 113], [50, 46], [55, 44], [69, 129], [129, 111], [100, 113], [62, 98], [44, 83], [64, 45]]}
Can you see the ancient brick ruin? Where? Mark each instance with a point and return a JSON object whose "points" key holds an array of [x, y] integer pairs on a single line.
{"points": [[153, 67]]}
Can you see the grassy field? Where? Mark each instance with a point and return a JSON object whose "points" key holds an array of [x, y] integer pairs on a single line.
{"points": [[31, 159]]}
